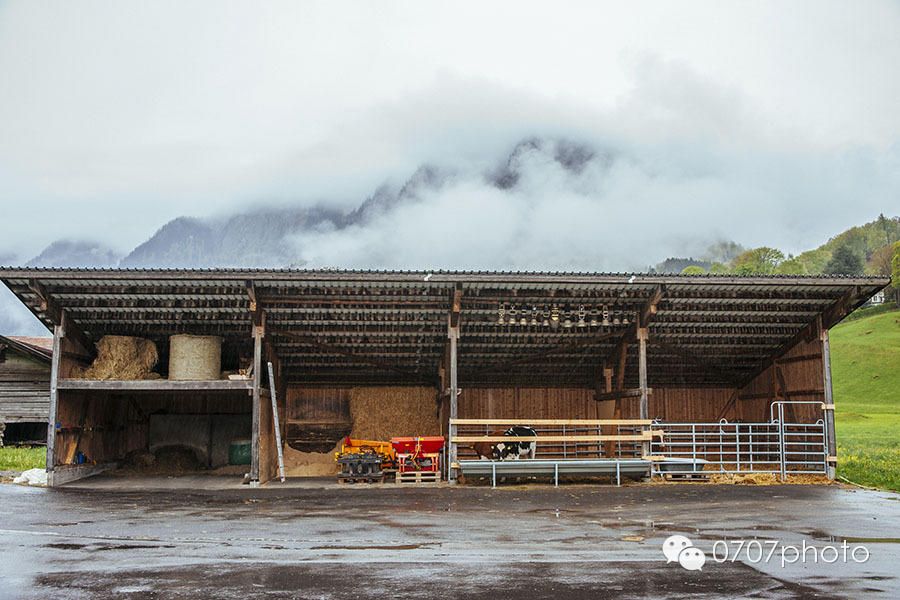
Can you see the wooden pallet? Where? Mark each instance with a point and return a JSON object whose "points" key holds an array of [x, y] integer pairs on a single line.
{"points": [[419, 477]]}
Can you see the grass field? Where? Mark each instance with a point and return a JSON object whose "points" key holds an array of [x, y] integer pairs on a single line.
{"points": [[865, 363], [21, 459]]}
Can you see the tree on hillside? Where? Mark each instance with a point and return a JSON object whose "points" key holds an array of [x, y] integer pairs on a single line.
{"points": [[814, 261], [880, 261], [759, 261], [693, 270], [791, 266], [844, 261]]}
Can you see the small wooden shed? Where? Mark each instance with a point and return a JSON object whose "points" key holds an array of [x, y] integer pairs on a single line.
{"points": [[25, 386]]}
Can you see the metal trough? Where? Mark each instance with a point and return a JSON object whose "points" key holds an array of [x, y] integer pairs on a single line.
{"points": [[626, 467], [681, 465]]}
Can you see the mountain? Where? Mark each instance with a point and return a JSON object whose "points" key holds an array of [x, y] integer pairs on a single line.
{"points": [[75, 253], [254, 239]]}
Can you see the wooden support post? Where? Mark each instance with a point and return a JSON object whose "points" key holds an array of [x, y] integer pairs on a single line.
{"points": [[258, 334], [453, 337], [830, 438], [642, 335], [58, 334]]}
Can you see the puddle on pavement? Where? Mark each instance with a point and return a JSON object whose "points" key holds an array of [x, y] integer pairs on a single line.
{"points": [[64, 546], [394, 547]]}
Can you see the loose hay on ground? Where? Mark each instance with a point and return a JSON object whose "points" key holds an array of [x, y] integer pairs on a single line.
{"points": [[121, 357], [310, 464]]}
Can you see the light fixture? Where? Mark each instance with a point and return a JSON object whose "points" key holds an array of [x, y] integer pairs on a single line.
{"points": [[554, 317], [501, 315], [534, 314], [512, 315], [581, 315], [546, 315], [567, 323], [605, 316]]}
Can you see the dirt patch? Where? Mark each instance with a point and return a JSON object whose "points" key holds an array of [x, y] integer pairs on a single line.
{"points": [[169, 460]]}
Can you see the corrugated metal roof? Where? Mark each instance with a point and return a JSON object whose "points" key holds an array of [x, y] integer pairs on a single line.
{"points": [[733, 321]]}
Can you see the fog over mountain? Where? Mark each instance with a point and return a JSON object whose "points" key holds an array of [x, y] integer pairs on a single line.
{"points": [[507, 135]]}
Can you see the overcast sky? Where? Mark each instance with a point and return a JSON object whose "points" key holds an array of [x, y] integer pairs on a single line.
{"points": [[118, 116]]}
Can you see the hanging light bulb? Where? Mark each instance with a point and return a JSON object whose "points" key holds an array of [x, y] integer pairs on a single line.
{"points": [[512, 315], [534, 314], [554, 317], [501, 315], [546, 315], [605, 316], [581, 315]]}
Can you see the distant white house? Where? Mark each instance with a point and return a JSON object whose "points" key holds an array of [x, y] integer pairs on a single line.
{"points": [[877, 299]]}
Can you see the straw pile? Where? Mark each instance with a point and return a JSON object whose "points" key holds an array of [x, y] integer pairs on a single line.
{"points": [[376, 413], [380, 413], [121, 357], [310, 464], [744, 478]]}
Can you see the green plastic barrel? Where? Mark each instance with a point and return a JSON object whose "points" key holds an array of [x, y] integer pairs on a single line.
{"points": [[239, 452]]}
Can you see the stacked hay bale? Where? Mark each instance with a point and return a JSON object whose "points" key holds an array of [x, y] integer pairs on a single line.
{"points": [[195, 357], [121, 357]]}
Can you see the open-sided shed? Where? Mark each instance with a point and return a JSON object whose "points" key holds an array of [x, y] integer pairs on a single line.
{"points": [[488, 345]]}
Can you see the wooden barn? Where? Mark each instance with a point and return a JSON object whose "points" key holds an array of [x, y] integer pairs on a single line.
{"points": [[24, 388], [445, 353]]}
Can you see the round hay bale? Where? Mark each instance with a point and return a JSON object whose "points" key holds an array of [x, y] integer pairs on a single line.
{"points": [[195, 357]]}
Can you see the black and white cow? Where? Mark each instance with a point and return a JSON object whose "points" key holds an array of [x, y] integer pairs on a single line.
{"points": [[516, 450]]}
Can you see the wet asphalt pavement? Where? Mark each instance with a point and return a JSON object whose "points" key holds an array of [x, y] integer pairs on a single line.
{"points": [[524, 542]]}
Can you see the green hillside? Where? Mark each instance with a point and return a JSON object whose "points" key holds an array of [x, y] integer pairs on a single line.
{"points": [[865, 359]]}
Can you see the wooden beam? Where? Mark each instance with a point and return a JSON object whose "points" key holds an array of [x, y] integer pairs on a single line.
{"points": [[364, 359], [256, 309], [618, 394], [649, 310], [55, 359], [155, 385], [729, 404], [258, 333], [642, 335], [801, 358], [453, 338], [806, 334], [554, 350], [830, 438], [55, 313]]}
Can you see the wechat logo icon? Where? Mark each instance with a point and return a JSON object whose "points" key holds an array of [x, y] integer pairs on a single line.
{"points": [[678, 548]]}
